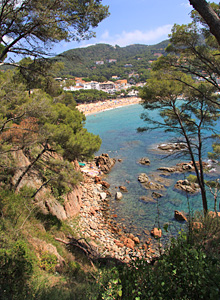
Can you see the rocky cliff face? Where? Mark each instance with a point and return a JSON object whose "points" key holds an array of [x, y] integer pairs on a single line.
{"points": [[44, 199]]}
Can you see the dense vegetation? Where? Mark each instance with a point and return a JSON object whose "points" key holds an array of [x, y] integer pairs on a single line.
{"points": [[82, 62], [91, 96]]}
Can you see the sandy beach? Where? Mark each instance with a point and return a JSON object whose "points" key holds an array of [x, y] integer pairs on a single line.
{"points": [[93, 108]]}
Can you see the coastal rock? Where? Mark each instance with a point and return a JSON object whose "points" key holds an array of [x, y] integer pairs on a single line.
{"points": [[147, 199], [183, 167], [136, 240], [97, 179], [144, 161], [157, 233], [103, 196], [104, 162], [105, 184], [149, 184], [143, 178], [118, 196], [171, 147], [157, 195], [189, 187], [167, 169], [179, 216], [129, 243], [123, 189]]}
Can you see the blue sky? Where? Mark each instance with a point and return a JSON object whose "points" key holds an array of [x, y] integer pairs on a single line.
{"points": [[136, 22]]}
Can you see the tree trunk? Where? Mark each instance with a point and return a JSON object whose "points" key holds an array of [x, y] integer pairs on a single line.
{"points": [[30, 166], [209, 16], [199, 173]]}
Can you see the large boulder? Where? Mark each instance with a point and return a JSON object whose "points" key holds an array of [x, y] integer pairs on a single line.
{"points": [[123, 188], [104, 162], [171, 147], [129, 243], [157, 233], [118, 196], [143, 178], [144, 161], [187, 186], [149, 184], [179, 216]]}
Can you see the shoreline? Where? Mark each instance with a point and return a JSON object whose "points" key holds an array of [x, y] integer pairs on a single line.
{"points": [[100, 106], [107, 237]]}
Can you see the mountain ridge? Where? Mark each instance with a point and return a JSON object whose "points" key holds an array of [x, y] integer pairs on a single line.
{"points": [[94, 59]]}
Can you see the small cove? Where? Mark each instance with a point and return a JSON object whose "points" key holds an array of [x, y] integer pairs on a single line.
{"points": [[120, 139]]}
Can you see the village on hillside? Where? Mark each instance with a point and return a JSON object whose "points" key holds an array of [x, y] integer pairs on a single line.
{"points": [[108, 86]]}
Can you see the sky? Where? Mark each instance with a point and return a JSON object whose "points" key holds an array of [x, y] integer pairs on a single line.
{"points": [[145, 22]]}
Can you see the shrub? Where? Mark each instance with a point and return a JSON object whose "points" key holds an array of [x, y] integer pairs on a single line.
{"points": [[16, 267]]}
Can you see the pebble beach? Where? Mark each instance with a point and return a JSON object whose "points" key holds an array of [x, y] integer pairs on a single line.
{"points": [[105, 236]]}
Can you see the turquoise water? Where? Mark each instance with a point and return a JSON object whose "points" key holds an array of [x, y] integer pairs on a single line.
{"points": [[120, 140]]}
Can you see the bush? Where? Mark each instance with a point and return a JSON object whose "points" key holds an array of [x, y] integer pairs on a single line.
{"points": [[183, 272], [16, 267]]}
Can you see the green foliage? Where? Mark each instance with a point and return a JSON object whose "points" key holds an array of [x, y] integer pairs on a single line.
{"points": [[38, 125], [48, 262], [110, 284], [16, 267], [192, 178], [183, 272], [81, 62], [39, 74], [34, 26], [84, 96]]}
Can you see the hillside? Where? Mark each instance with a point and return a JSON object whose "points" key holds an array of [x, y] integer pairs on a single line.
{"points": [[94, 60]]}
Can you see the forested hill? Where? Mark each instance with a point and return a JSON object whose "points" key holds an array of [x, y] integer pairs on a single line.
{"points": [[108, 61]]}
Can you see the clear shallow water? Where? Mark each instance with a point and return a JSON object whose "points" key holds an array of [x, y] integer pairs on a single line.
{"points": [[120, 140]]}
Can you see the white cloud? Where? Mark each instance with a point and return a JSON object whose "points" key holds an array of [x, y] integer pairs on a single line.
{"points": [[128, 38], [137, 36], [105, 35]]}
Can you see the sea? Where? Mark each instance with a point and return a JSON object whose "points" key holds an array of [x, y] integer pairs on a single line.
{"points": [[121, 140]]}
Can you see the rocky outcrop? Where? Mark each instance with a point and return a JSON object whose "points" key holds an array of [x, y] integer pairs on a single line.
{"points": [[157, 233], [118, 196], [104, 162], [187, 186], [149, 184], [144, 161], [123, 188], [167, 169], [171, 147], [179, 216], [157, 195], [143, 178], [183, 167], [44, 199], [147, 199]]}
